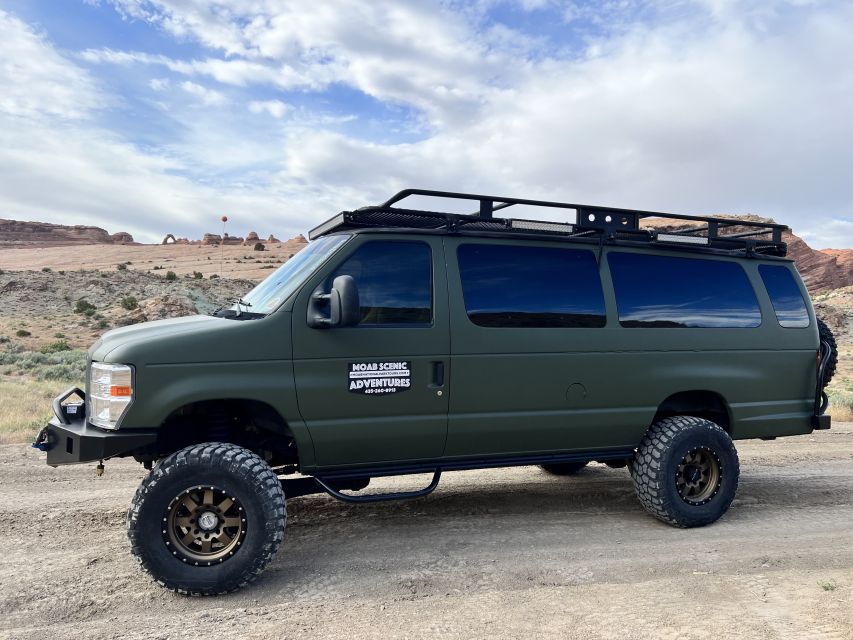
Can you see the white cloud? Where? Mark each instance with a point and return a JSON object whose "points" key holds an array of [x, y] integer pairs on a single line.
{"points": [[275, 108], [708, 107], [36, 81], [210, 97]]}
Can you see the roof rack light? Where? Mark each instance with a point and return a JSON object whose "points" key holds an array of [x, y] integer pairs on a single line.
{"points": [[535, 225], [327, 226], [674, 237]]}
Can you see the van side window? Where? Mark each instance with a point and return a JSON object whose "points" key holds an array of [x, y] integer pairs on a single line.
{"points": [[394, 282], [785, 295], [518, 286], [668, 291]]}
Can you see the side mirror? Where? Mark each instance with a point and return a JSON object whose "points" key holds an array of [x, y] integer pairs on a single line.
{"points": [[344, 305]]}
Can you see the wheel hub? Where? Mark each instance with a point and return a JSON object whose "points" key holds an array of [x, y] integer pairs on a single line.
{"points": [[208, 521], [698, 476], [204, 525]]}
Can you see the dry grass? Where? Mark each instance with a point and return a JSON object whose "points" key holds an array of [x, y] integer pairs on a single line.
{"points": [[26, 406]]}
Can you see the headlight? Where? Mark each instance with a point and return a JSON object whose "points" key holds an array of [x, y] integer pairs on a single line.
{"points": [[110, 393]]}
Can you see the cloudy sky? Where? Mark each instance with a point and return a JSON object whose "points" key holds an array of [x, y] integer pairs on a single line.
{"points": [[158, 116]]}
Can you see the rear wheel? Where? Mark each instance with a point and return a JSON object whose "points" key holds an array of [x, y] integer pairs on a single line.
{"points": [[564, 468], [686, 471], [208, 519]]}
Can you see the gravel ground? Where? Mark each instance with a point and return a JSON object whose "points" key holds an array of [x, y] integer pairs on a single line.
{"points": [[510, 553]]}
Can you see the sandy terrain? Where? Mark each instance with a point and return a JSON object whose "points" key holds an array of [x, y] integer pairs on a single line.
{"points": [[182, 259], [510, 553]]}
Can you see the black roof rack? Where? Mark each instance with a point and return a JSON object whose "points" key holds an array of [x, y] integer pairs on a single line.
{"points": [[593, 223]]}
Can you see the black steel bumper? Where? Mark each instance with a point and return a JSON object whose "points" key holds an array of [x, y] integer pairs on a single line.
{"points": [[69, 439]]}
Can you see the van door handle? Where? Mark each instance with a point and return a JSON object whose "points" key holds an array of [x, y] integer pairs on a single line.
{"points": [[438, 374]]}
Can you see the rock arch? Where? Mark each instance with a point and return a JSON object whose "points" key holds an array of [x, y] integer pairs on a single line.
{"points": [[166, 239]]}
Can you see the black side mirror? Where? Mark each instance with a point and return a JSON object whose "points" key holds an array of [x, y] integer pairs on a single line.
{"points": [[344, 305]]}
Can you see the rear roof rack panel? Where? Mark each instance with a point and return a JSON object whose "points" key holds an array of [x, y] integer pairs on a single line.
{"points": [[609, 225]]}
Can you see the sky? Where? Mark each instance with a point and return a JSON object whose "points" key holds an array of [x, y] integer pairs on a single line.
{"points": [[160, 116]]}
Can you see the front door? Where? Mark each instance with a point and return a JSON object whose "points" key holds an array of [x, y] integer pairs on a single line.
{"points": [[375, 393]]}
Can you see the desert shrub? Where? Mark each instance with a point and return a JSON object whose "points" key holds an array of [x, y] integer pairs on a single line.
{"points": [[4, 339], [59, 335], [55, 347], [268, 266], [46, 269], [213, 276], [157, 267], [85, 307], [170, 275], [62, 273], [198, 275], [23, 333], [102, 324], [259, 246], [121, 267], [129, 302]]}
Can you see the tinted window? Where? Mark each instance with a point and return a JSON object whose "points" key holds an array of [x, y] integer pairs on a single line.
{"points": [[785, 295], [506, 286], [394, 282], [666, 291]]}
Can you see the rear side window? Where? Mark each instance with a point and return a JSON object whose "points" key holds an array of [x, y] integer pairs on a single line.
{"points": [[510, 286], [668, 291], [785, 295], [394, 282]]}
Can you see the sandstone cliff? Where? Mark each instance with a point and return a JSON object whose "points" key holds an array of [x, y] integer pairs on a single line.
{"points": [[16, 233]]}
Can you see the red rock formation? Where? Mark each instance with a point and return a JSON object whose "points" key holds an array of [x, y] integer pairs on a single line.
{"points": [[122, 237], [211, 238], [16, 233]]}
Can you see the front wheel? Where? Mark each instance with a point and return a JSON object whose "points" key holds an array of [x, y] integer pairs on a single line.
{"points": [[208, 519], [686, 471]]}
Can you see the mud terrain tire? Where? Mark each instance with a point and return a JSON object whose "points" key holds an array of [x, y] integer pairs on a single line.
{"points": [[248, 491], [686, 471], [826, 335]]}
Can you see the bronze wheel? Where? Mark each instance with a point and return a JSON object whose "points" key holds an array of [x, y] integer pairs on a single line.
{"points": [[698, 476], [204, 526]]}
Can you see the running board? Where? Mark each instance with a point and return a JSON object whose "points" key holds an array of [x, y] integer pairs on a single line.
{"points": [[381, 497]]}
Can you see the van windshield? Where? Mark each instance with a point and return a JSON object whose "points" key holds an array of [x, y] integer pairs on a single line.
{"points": [[275, 289]]}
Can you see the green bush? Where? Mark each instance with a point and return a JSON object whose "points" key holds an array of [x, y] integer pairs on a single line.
{"points": [[198, 275], [259, 246], [56, 347], [62, 273], [46, 269], [121, 267], [129, 302], [102, 324], [59, 335], [213, 276], [170, 275], [23, 333], [85, 307]]}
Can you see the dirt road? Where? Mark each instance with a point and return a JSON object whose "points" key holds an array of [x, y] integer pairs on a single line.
{"points": [[506, 553]]}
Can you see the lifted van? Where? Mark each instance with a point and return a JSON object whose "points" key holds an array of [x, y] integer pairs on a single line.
{"points": [[405, 341]]}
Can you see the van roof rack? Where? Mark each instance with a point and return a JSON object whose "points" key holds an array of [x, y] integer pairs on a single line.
{"points": [[592, 223]]}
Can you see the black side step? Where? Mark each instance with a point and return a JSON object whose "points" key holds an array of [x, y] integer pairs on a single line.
{"points": [[380, 497]]}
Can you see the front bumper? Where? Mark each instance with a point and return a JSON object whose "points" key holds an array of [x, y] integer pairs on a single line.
{"points": [[69, 439]]}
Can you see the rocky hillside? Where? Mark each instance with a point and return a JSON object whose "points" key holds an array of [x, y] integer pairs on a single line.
{"points": [[15, 233], [37, 308]]}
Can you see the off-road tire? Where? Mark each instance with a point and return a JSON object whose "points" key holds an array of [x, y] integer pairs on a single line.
{"points": [[233, 469], [656, 464], [826, 335], [563, 468]]}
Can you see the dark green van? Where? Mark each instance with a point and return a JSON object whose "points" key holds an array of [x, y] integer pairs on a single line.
{"points": [[406, 341]]}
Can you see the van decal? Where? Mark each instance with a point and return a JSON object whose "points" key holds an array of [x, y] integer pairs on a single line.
{"points": [[380, 378]]}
